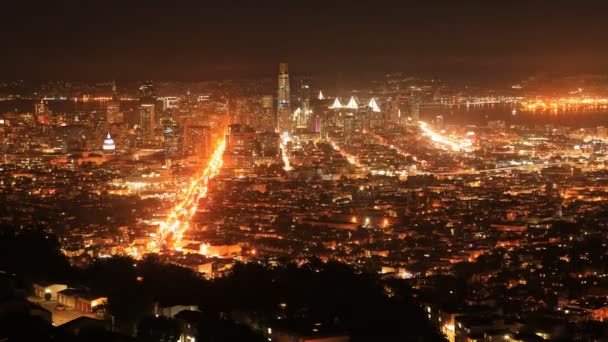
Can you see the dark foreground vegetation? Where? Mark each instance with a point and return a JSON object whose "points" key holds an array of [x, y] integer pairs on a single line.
{"points": [[324, 298]]}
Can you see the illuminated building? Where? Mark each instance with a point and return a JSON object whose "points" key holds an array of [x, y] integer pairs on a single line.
{"points": [[267, 120], [239, 113], [42, 114], [146, 91], [40, 108], [170, 102], [171, 136], [373, 105], [269, 144], [337, 104], [415, 107], [352, 103], [113, 113], [304, 119], [240, 145], [196, 139], [147, 119], [108, 143], [240, 139], [284, 123], [395, 115], [147, 113]]}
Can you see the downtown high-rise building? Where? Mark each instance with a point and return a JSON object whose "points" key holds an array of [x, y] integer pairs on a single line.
{"points": [[415, 99], [304, 119], [147, 113], [113, 113], [284, 120], [171, 136], [147, 120]]}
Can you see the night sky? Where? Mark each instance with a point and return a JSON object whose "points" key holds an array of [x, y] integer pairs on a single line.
{"points": [[197, 40]]}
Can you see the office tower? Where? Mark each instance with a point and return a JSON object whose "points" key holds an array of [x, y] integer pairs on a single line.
{"points": [[146, 90], [241, 111], [304, 120], [171, 136], [40, 108], [147, 112], [395, 115], [170, 102], [113, 113], [196, 140], [269, 144], [240, 146], [415, 107], [266, 118], [267, 101], [146, 119], [42, 114], [240, 139], [284, 121]]}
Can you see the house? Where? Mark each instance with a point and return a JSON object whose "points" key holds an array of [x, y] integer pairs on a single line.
{"points": [[81, 300], [83, 323], [41, 290], [171, 311]]}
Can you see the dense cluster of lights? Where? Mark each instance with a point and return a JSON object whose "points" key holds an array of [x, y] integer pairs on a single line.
{"points": [[351, 158], [540, 104], [454, 145], [172, 230]]}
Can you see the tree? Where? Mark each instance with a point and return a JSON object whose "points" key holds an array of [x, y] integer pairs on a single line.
{"points": [[158, 329]]}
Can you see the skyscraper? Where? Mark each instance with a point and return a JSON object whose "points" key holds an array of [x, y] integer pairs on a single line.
{"points": [[146, 120], [415, 99], [196, 139], [267, 117], [304, 118], [171, 136], [284, 122], [113, 113], [147, 112]]}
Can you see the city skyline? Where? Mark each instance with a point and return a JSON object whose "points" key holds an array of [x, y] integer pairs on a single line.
{"points": [[282, 171]]}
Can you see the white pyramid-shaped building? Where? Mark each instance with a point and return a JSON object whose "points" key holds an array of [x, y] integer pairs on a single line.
{"points": [[337, 104], [373, 105], [352, 103]]}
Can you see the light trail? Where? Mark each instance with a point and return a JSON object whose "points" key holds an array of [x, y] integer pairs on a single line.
{"points": [[351, 158], [284, 155], [171, 231], [457, 146]]}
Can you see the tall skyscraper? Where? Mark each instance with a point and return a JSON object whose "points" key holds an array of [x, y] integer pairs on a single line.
{"points": [[284, 122], [146, 120], [196, 139], [304, 119], [40, 108], [267, 117], [113, 113], [171, 136], [147, 112], [415, 99]]}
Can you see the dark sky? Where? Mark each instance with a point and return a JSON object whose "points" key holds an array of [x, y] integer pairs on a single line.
{"points": [[99, 40]]}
